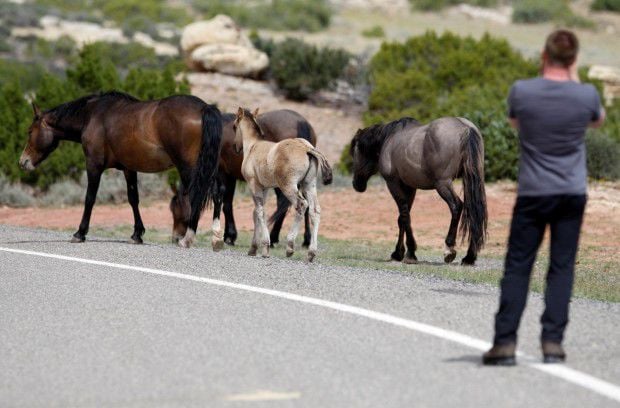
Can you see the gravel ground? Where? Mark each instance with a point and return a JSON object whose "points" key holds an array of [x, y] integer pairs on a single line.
{"points": [[74, 334]]}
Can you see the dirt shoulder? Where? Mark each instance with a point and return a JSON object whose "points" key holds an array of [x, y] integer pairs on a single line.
{"points": [[371, 216]]}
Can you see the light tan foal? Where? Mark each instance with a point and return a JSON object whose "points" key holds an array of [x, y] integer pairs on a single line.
{"points": [[292, 166]]}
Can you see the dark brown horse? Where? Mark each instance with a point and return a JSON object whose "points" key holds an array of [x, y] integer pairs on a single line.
{"points": [[411, 156], [118, 131], [277, 125]]}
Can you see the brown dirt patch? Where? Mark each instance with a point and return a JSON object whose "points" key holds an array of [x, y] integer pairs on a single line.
{"points": [[370, 216]]}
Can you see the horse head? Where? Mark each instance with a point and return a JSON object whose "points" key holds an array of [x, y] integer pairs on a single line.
{"points": [[365, 161], [42, 141], [248, 120]]}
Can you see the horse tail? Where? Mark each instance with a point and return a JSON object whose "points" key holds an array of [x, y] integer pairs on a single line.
{"points": [[474, 220], [326, 170], [204, 186]]}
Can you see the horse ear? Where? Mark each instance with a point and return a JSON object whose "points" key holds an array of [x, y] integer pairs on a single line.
{"points": [[255, 112], [36, 110], [240, 112]]}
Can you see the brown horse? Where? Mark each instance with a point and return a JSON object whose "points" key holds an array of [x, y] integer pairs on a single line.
{"points": [[411, 156], [277, 125], [118, 131], [292, 165]]}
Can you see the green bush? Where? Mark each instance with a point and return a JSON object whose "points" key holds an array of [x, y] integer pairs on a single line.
{"points": [[429, 5], [300, 69], [540, 11], [431, 76], [303, 15], [374, 31], [122, 10], [609, 5], [603, 155], [94, 71]]}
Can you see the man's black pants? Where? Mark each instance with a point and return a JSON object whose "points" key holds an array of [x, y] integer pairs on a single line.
{"points": [[531, 215]]}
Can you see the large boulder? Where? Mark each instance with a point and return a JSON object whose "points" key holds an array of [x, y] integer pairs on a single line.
{"points": [[220, 45], [610, 76], [231, 59]]}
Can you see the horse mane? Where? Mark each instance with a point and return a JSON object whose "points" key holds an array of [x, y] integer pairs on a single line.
{"points": [[75, 111], [370, 140], [257, 127]]}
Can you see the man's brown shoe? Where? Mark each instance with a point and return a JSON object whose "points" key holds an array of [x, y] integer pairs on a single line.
{"points": [[553, 352], [500, 355]]}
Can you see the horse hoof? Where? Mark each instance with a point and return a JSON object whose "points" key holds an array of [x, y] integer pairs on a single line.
{"points": [[449, 256], [311, 256], [265, 251], [77, 240], [183, 243], [289, 252], [468, 262], [396, 257], [252, 251], [410, 261], [136, 241], [229, 241], [217, 245]]}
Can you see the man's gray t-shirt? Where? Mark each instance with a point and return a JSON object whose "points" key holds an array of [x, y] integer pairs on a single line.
{"points": [[553, 117]]}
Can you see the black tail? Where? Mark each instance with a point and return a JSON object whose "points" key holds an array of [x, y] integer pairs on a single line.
{"points": [[204, 185], [474, 220], [326, 170], [305, 131]]}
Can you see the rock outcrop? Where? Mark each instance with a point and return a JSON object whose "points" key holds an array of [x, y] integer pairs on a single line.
{"points": [[219, 45]]}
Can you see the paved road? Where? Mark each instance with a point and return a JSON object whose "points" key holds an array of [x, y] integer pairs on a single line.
{"points": [[84, 334]]}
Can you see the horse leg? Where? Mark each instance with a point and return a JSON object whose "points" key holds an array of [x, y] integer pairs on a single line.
{"points": [[261, 232], [217, 242], [314, 212], [190, 233], [301, 204], [307, 233], [446, 191], [131, 177], [230, 230], [279, 215], [403, 196], [94, 177]]}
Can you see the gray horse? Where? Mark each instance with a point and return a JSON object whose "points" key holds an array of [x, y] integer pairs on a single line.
{"points": [[411, 156]]}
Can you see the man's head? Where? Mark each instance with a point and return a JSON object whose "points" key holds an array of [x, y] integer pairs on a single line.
{"points": [[561, 48]]}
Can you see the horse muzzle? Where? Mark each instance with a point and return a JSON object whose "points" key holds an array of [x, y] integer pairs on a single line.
{"points": [[26, 163], [359, 185]]}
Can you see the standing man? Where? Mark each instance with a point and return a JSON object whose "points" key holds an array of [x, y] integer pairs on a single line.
{"points": [[552, 113]]}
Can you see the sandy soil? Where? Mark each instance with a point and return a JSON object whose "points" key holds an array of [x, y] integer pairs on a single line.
{"points": [[369, 216]]}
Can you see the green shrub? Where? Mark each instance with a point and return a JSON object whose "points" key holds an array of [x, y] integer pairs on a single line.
{"points": [[603, 155], [609, 5], [303, 15], [374, 31], [431, 76], [93, 71], [429, 5], [540, 11], [300, 69]]}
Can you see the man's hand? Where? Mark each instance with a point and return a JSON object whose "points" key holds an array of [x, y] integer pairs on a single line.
{"points": [[514, 123]]}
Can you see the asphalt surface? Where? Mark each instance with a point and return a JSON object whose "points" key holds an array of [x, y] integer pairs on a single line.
{"points": [[75, 334]]}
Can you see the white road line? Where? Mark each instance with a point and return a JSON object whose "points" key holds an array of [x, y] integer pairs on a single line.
{"points": [[560, 371]]}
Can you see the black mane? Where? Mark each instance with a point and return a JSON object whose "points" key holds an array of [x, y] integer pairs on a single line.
{"points": [[371, 139], [72, 115]]}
